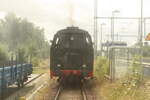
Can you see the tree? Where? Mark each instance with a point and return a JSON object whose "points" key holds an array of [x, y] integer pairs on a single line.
{"points": [[3, 54], [22, 36]]}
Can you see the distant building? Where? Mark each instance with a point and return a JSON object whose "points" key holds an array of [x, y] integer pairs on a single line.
{"points": [[108, 44]]}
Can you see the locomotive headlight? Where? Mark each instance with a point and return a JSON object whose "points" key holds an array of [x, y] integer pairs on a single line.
{"points": [[84, 66], [58, 65]]}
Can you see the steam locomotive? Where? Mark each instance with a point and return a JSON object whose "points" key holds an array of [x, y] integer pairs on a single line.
{"points": [[71, 54]]}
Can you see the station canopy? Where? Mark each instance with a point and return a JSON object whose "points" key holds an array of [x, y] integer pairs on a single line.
{"points": [[115, 43]]}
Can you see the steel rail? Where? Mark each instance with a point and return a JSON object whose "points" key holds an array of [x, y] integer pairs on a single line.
{"points": [[15, 94], [58, 93], [84, 94], [83, 91]]}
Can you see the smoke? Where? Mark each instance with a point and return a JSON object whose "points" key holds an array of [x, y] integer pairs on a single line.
{"points": [[71, 12]]}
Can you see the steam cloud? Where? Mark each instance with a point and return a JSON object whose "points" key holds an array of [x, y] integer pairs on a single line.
{"points": [[71, 12]]}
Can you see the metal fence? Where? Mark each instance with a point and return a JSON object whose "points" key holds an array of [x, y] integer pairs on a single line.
{"points": [[120, 61]]}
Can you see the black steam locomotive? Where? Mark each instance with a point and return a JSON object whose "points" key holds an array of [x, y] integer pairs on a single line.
{"points": [[71, 53]]}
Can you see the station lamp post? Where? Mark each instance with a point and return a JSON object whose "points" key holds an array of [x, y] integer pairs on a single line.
{"points": [[112, 23], [101, 36], [141, 39], [95, 26]]}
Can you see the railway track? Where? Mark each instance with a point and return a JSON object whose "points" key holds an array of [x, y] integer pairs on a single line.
{"points": [[14, 93], [33, 79], [77, 92], [84, 93]]}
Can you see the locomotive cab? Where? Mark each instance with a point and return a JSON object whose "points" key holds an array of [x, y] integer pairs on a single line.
{"points": [[72, 53]]}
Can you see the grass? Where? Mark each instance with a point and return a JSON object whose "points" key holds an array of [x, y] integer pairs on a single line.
{"points": [[40, 70], [43, 92], [129, 87], [101, 66], [121, 91], [41, 67]]}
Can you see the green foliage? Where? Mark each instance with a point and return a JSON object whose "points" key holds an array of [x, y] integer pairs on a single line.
{"points": [[128, 86], [22, 56], [23, 37], [146, 50], [136, 69], [101, 67], [35, 62], [124, 91]]}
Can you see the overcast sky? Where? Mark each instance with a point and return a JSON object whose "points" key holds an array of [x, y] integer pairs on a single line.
{"points": [[57, 14]]}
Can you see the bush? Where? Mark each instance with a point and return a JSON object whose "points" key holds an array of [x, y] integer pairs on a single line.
{"points": [[35, 62], [101, 67]]}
